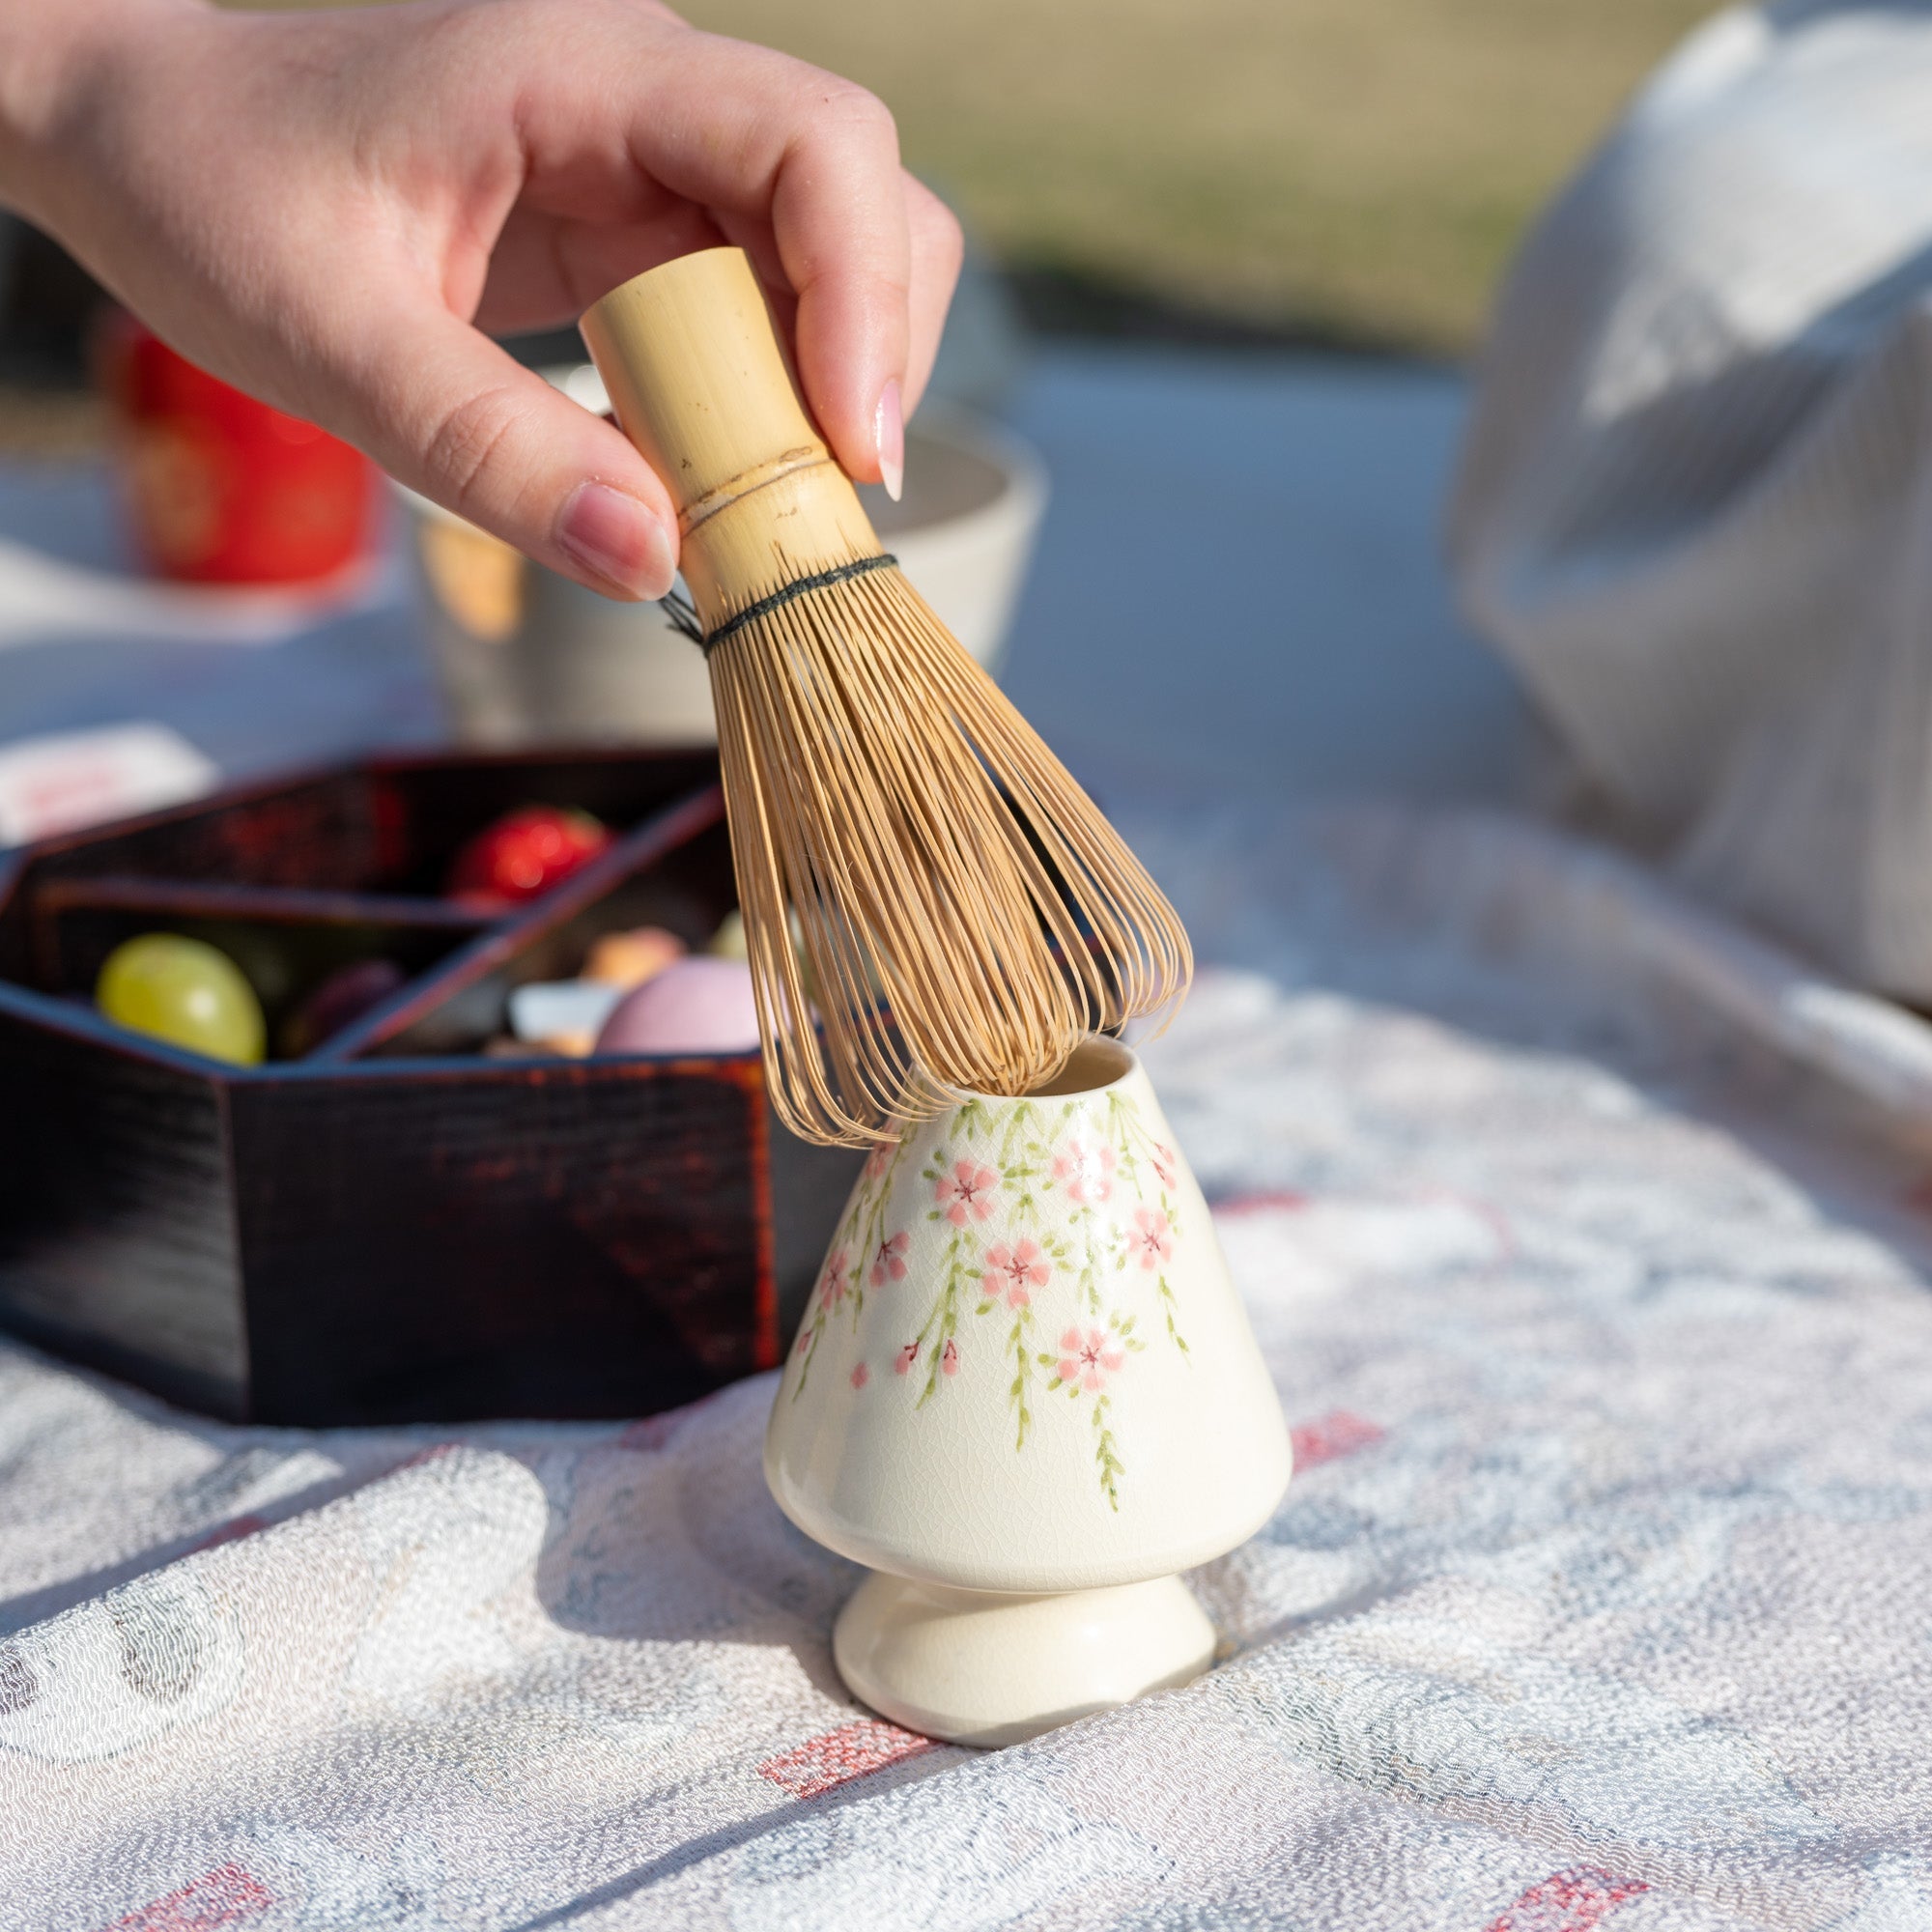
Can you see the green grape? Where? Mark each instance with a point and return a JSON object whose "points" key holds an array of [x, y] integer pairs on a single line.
{"points": [[185, 992]]}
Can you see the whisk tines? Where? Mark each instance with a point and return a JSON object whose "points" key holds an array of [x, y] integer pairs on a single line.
{"points": [[965, 915]]}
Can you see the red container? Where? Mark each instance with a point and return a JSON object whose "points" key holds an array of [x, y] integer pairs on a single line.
{"points": [[224, 489]]}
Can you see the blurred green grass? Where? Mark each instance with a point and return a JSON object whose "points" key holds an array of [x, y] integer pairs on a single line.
{"points": [[1356, 171], [1351, 171]]}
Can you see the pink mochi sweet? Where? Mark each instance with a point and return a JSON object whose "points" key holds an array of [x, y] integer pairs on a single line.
{"points": [[694, 1006]]}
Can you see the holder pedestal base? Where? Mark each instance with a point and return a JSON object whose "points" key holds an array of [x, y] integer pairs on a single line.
{"points": [[982, 1669]]}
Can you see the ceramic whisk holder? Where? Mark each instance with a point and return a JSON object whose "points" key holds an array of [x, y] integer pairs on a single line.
{"points": [[1026, 1392]]}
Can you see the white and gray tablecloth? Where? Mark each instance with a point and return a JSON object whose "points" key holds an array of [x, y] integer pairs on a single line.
{"points": [[1585, 1239]]}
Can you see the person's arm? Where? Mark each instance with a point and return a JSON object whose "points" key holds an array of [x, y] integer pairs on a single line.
{"points": [[328, 208]]}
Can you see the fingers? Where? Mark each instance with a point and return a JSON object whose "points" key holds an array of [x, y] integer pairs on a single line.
{"points": [[853, 330], [450, 414], [938, 248], [801, 166]]}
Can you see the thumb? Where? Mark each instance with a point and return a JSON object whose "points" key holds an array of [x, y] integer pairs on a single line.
{"points": [[453, 417]]}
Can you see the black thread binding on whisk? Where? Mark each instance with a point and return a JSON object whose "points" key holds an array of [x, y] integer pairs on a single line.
{"points": [[683, 613]]}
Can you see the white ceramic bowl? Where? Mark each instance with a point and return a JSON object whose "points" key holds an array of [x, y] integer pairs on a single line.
{"points": [[526, 657]]}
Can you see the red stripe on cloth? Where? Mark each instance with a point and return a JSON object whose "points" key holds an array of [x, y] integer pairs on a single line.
{"points": [[231, 1531], [650, 1434], [223, 1896], [1339, 1432], [841, 1756], [1578, 1900], [1275, 1200]]}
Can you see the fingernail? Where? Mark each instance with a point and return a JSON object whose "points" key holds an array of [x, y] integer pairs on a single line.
{"points": [[888, 433], [615, 539]]}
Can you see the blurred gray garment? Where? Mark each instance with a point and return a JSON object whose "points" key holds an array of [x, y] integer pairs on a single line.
{"points": [[1695, 508]]}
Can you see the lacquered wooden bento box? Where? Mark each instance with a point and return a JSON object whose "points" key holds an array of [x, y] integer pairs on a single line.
{"points": [[396, 1227]]}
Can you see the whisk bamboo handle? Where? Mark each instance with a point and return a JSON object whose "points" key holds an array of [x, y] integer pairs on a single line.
{"points": [[692, 362]]}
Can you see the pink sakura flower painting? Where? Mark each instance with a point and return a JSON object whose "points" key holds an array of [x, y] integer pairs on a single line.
{"points": [[1014, 1273], [966, 1194], [1151, 1242], [1088, 1357], [877, 1161], [1086, 1170], [1165, 1165], [860, 1374], [888, 1263], [832, 1283], [948, 1358], [902, 1362]]}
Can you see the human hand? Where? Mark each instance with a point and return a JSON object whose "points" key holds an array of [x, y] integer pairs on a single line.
{"points": [[328, 208]]}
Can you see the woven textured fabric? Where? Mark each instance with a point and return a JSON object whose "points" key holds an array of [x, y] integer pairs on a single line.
{"points": [[1584, 1240], [1696, 504]]}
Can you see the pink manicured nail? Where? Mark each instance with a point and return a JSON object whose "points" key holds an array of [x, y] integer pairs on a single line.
{"points": [[888, 433], [612, 537]]}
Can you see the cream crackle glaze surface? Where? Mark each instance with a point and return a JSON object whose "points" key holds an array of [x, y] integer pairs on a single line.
{"points": [[1035, 1281]]}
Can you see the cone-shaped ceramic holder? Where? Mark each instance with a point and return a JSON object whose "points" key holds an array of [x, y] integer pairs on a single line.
{"points": [[1026, 1391]]}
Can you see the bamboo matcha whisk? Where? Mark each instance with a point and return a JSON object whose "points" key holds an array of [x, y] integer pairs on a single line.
{"points": [[937, 858]]}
